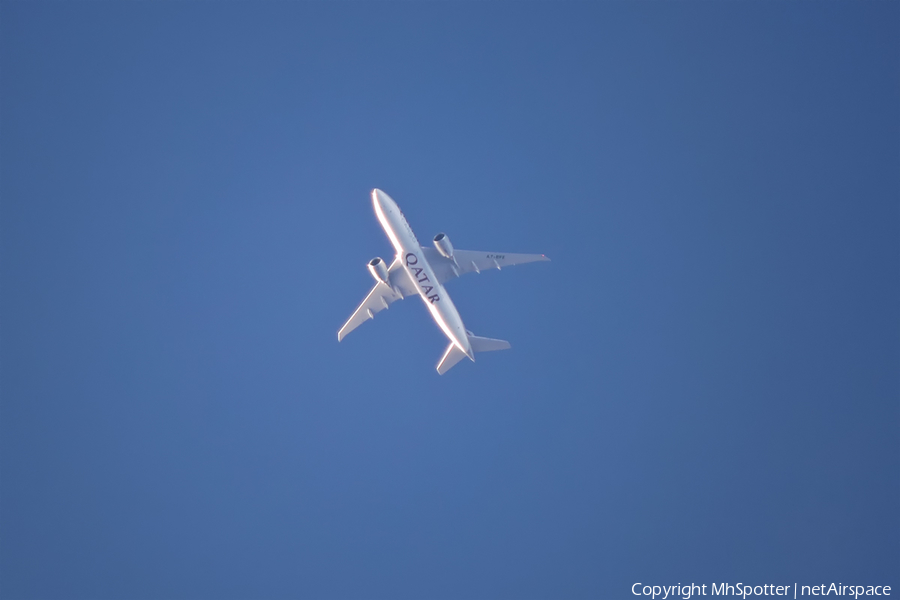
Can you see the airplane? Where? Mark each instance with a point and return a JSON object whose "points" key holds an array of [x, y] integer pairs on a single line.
{"points": [[422, 271]]}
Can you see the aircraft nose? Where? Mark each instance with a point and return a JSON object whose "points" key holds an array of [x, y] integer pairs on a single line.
{"points": [[376, 203], [382, 200]]}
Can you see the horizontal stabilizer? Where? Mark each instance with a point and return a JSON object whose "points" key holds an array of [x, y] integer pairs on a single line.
{"points": [[478, 344], [483, 344], [452, 356]]}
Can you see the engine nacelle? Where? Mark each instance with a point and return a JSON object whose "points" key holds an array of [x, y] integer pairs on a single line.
{"points": [[378, 270], [443, 245]]}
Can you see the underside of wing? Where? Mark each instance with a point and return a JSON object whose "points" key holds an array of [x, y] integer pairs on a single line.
{"points": [[381, 296], [467, 261]]}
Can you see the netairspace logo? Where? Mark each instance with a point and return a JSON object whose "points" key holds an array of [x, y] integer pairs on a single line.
{"points": [[745, 590]]}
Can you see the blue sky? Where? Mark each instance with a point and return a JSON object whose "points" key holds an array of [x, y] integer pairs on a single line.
{"points": [[703, 384]]}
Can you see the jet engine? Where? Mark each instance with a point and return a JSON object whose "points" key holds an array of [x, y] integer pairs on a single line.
{"points": [[443, 245], [378, 270]]}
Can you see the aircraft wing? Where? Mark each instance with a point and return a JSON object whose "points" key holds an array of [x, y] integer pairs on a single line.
{"points": [[466, 261], [380, 297]]}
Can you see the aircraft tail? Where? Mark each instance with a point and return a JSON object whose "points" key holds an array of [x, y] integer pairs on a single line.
{"points": [[483, 344], [452, 356], [479, 344]]}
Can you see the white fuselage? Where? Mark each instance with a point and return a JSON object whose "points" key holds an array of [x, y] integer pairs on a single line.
{"points": [[409, 251]]}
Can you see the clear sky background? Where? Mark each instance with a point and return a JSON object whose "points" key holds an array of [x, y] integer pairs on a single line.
{"points": [[704, 383]]}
